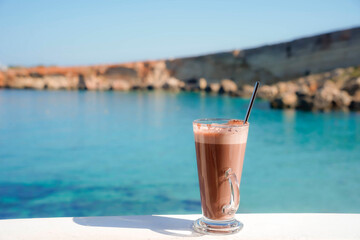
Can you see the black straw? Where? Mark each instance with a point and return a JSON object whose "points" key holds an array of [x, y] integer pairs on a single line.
{"points": [[257, 84]]}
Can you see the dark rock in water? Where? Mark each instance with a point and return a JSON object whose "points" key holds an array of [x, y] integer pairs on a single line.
{"points": [[150, 87], [135, 87], [305, 102], [276, 103], [191, 85], [355, 105]]}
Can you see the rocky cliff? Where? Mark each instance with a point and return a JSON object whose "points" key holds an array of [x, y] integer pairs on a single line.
{"points": [[314, 73], [269, 64]]}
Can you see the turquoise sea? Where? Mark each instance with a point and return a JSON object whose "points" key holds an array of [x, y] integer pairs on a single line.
{"points": [[70, 153]]}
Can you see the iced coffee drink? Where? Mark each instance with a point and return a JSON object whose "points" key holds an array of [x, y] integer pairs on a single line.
{"points": [[220, 149]]}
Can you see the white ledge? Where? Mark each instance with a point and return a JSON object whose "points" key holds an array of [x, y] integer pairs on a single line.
{"points": [[256, 226]]}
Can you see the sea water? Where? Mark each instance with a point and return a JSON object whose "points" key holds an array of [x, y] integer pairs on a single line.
{"points": [[73, 153]]}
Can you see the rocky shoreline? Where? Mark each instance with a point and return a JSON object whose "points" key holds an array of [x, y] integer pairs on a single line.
{"points": [[317, 73], [334, 90]]}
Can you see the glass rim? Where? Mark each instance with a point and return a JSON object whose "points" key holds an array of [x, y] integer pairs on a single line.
{"points": [[206, 121]]}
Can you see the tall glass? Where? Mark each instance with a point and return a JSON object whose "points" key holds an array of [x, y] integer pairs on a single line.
{"points": [[220, 148]]}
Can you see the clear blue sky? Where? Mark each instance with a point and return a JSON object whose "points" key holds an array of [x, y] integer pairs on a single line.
{"points": [[91, 32]]}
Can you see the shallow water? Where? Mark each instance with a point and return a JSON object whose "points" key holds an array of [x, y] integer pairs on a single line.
{"points": [[65, 153]]}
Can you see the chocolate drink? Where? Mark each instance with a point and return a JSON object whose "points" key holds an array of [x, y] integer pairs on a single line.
{"points": [[219, 148]]}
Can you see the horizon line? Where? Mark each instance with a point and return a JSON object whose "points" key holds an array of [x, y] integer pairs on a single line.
{"points": [[186, 56]]}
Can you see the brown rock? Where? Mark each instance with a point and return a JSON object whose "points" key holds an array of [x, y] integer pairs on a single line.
{"points": [[2, 80], [303, 91], [152, 74], [38, 84], [341, 100], [120, 85], [56, 82], [21, 82], [357, 95], [281, 87], [330, 97], [313, 86], [202, 83], [352, 86], [213, 88], [104, 85], [228, 86], [289, 100], [181, 84], [285, 100], [267, 92], [173, 84], [92, 83], [244, 92], [324, 97], [329, 84], [286, 87]]}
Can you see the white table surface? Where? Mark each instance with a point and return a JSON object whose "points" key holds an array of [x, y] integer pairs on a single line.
{"points": [[256, 226]]}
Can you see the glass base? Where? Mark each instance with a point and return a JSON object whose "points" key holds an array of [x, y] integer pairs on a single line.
{"points": [[207, 226]]}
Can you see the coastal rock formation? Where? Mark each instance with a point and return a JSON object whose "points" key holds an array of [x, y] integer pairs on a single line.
{"points": [[244, 92], [334, 90], [192, 85], [355, 103], [228, 86], [267, 92], [285, 100], [120, 85], [268, 64], [202, 83], [173, 84], [294, 74], [213, 87], [352, 86], [2, 78]]}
